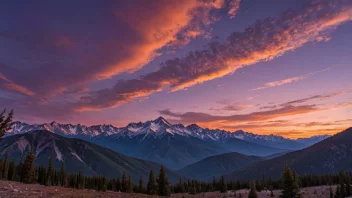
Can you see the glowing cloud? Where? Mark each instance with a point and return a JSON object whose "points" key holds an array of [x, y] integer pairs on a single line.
{"points": [[263, 41]]}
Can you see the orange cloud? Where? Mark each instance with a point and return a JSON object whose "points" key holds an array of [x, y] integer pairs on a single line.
{"points": [[18, 88], [9, 85], [262, 41], [169, 22], [120, 36]]}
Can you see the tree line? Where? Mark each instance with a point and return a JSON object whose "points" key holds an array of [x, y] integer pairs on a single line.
{"points": [[290, 182]]}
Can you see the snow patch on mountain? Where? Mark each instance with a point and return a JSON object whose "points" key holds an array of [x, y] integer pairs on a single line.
{"points": [[58, 153], [75, 155], [22, 144]]}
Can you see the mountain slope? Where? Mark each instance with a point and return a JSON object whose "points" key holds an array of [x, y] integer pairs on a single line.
{"points": [[174, 151], [78, 155], [177, 151], [328, 156], [218, 165]]}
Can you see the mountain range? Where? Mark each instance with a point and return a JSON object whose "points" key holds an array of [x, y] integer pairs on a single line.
{"points": [[78, 155], [328, 156], [173, 145]]}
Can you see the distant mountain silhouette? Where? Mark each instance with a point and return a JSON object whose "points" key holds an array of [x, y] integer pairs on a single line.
{"points": [[328, 156], [218, 165]]}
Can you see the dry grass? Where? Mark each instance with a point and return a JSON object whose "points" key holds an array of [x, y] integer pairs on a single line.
{"points": [[15, 189]]}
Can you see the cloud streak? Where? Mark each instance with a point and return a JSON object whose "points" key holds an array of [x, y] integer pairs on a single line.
{"points": [[5, 83], [287, 80], [262, 41], [315, 97], [197, 117]]}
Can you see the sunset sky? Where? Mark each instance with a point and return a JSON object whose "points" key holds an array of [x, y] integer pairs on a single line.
{"points": [[268, 67]]}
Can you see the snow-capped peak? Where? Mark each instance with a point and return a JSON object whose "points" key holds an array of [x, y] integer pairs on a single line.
{"points": [[155, 128], [161, 121]]}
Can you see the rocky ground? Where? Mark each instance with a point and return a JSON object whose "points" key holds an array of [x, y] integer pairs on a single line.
{"points": [[15, 190]]}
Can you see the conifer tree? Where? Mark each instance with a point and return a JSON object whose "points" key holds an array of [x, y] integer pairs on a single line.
{"points": [[253, 191], [5, 123], [163, 183], [5, 166], [181, 186], [331, 193], [62, 176], [129, 185], [272, 193], [11, 174], [118, 185], [151, 186], [290, 187], [29, 169], [337, 193], [141, 188], [44, 176], [342, 184], [1, 167], [49, 172], [192, 190], [348, 187], [215, 186], [124, 184], [20, 170], [222, 184]]}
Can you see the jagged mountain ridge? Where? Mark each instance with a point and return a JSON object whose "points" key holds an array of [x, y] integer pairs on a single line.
{"points": [[78, 155], [174, 146], [161, 126]]}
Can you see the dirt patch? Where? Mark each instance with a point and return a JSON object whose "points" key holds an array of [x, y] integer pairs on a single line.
{"points": [[14, 190]]}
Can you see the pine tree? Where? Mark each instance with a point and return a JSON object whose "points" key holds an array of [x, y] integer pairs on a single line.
{"points": [[163, 183], [253, 191], [29, 169], [348, 186], [331, 193], [129, 185], [1, 167], [124, 185], [290, 187], [20, 171], [141, 188], [342, 184], [118, 185], [215, 186], [62, 176], [12, 167], [222, 184], [181, 186], [5, 166], [151, 186], [192, 190], [49, 172], [5, 123]]}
